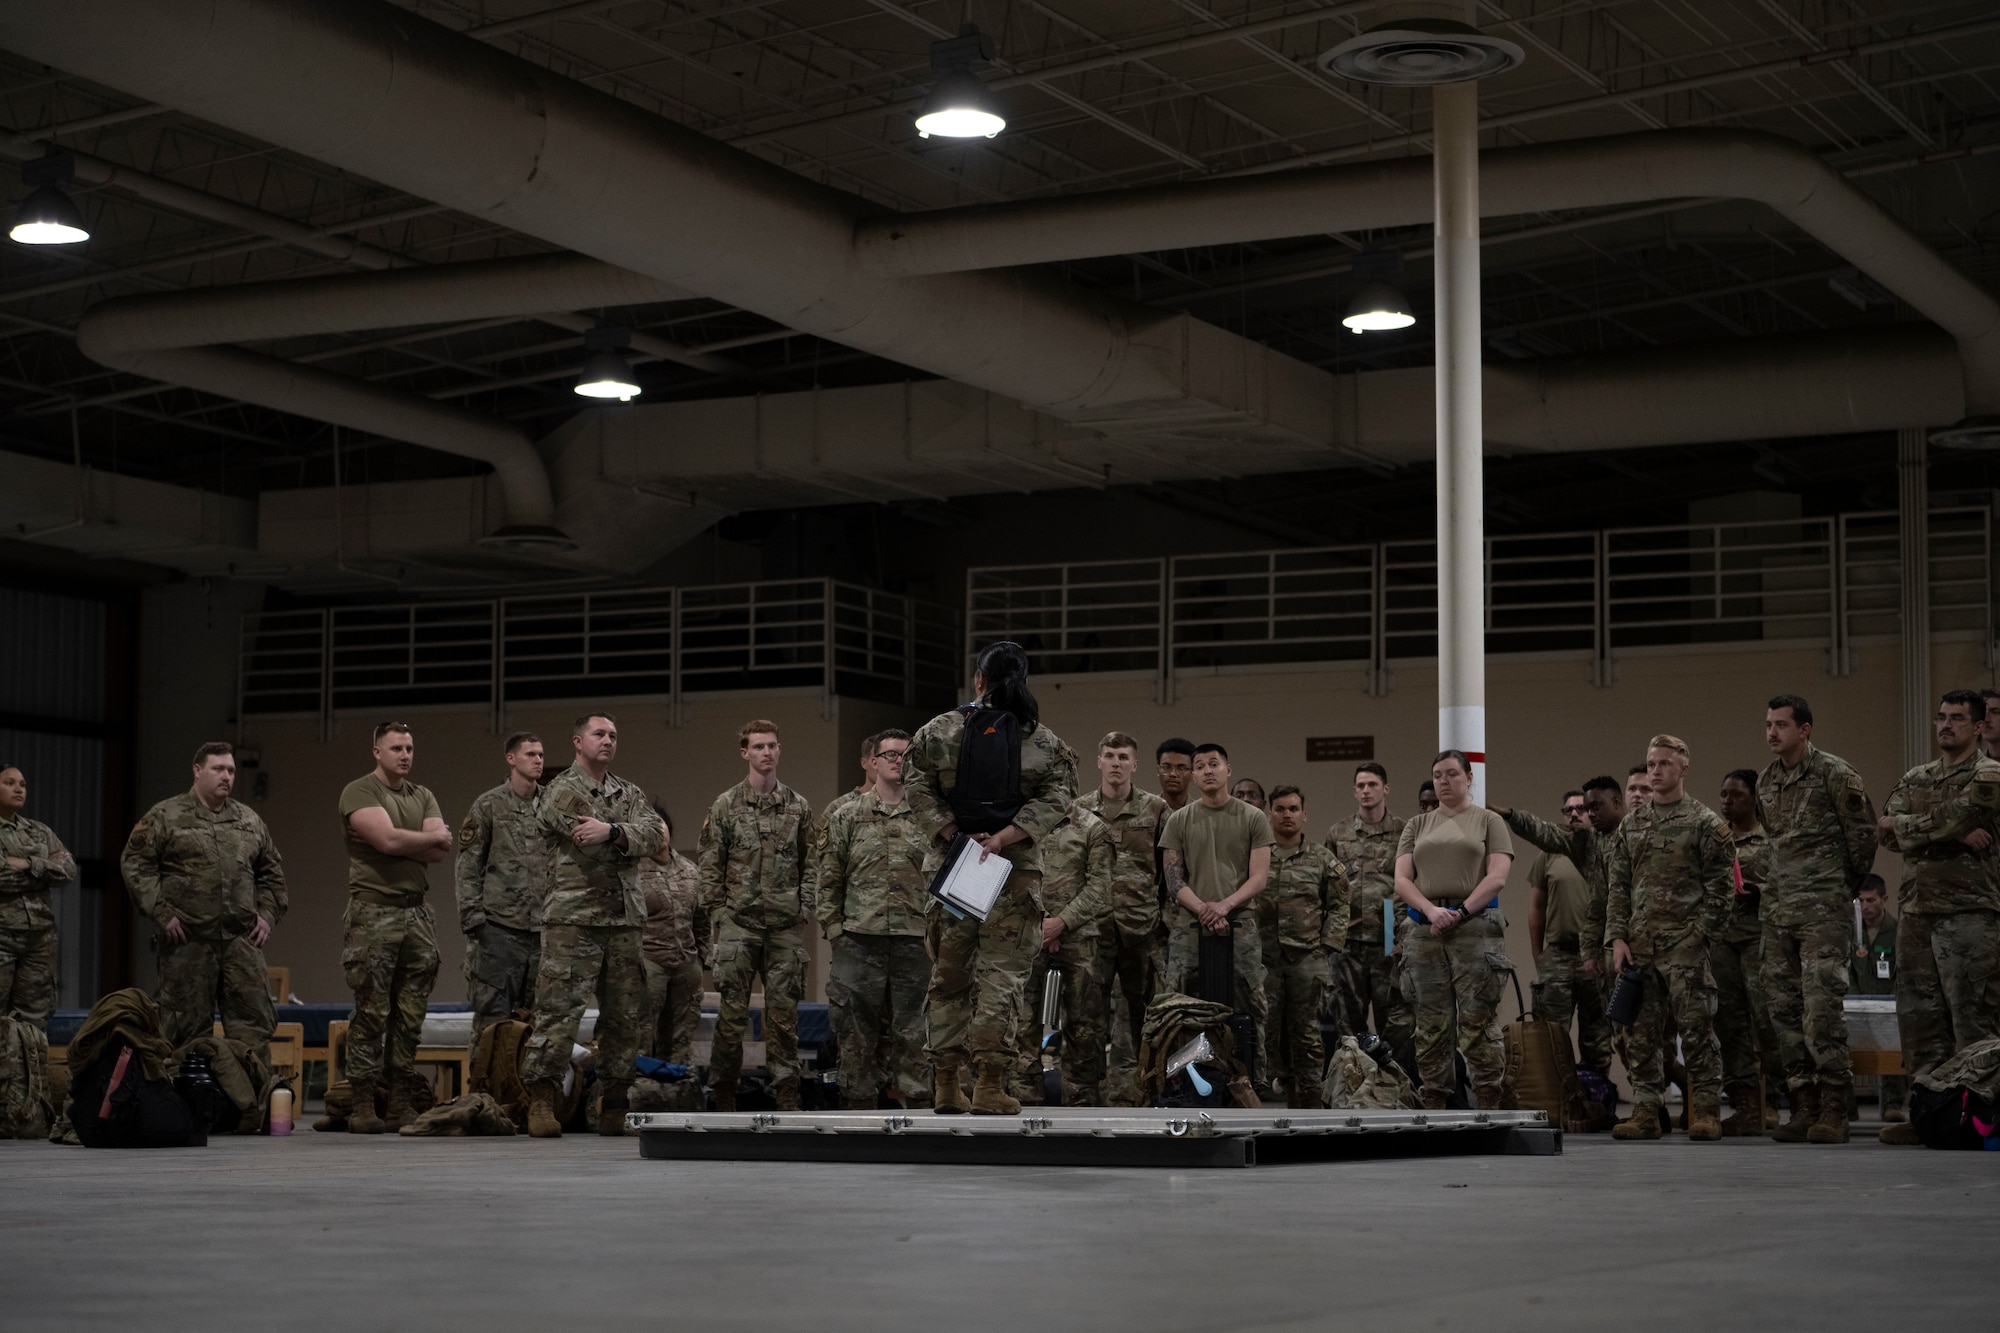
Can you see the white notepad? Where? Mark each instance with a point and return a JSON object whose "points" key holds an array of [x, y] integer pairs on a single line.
{"points": [[967, 885]]}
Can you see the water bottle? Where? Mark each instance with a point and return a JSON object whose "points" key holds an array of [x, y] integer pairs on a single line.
{"points": [[1626, 994], [281, 1111], [198, 1091]]}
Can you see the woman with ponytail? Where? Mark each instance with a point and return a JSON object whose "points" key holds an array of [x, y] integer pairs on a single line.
{"points": [[992, 771]]}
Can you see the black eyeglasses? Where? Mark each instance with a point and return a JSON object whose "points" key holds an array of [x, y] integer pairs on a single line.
{"points": [[890, 754]]}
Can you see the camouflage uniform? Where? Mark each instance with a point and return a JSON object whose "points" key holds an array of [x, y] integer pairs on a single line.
{"points": [[1128, 946], [217, 871], [1079, 858], [1948, 939], [757, 873], [1822, 829], [1368, 976], [500, 879], [592, 922], [1671, 877], [28, 919], [1564, 989], [1452, 983], [1742, 1016], [871, 889], [674, 940], [1302, 919], [979, 969]]}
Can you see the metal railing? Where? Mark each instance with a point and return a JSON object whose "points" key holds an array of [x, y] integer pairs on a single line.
{"points": [[665, 642], [1794, 582]]}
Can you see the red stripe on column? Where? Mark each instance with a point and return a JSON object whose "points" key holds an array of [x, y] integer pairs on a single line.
{"points": [[1476, 756]]}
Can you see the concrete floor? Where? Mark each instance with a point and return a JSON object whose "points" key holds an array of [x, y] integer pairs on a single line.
{"points": [[364, 1235]]}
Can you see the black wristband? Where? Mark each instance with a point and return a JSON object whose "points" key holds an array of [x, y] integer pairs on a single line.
{"points": [[613, 836]]}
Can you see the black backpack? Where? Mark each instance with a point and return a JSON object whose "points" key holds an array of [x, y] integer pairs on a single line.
{"points": [[1953, 1118], [988, 794], [112, 1104]]}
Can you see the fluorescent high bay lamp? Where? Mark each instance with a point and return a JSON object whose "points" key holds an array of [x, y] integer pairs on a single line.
{"points": [[1376, 307], [606, 374], [48, 216], [959, 105]]}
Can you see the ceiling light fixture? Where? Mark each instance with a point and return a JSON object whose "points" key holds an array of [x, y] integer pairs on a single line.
{"points": [[48, 216], [1376, 307], [606, 374], [959, 105], [1421, 53], [1972, 433]]}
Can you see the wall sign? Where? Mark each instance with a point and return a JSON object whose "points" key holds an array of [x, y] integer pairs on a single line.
{"points": [[1325, 749]]}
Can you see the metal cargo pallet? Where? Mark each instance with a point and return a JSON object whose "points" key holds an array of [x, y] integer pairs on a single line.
{"points": [[1089, 1136]]}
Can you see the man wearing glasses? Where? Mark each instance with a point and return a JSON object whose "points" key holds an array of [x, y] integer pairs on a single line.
{"points": [[871, 909], [1558, 903]]}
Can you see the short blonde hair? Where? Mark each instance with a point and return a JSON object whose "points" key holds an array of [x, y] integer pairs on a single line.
{"points": [[1118, 740], [757, 726], [1665, 742]]}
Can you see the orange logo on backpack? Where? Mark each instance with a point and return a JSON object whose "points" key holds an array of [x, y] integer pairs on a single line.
{"points": [[990, 731]]}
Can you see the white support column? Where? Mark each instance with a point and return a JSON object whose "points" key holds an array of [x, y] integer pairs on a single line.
{"points": [[1461, 522], [1913, 501]]}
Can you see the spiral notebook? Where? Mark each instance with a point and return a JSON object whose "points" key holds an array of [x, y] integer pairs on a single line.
{"points": [[965, 885]]}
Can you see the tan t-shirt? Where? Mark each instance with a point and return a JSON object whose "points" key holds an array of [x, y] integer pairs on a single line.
{"points": [[1568, 895], [1451, 850], [1215, 845], [397, 881]]}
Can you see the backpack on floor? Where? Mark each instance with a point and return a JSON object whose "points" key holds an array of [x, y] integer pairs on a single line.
{"points": [[986, 794], [1957, 1105], [25, 1107], [1541, 1069], [496, 1071], [112, 1104]]}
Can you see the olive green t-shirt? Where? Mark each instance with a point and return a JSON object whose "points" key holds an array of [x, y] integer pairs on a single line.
{"points": [[1568, 895], [1215, 845], [397, 879], [1451, 850]]}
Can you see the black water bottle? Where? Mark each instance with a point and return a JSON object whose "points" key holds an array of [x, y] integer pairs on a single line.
{"points": [[198, 1091], [1626, 994]]}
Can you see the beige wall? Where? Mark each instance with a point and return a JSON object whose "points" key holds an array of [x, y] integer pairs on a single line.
{"points": [[1547, 730]]}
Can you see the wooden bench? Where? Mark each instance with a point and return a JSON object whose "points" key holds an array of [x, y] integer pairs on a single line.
{"points": [[455, 1058]]}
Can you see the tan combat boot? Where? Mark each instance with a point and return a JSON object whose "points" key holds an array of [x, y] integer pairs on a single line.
{"points": [[542, 1121], [401, 1110], [1831, 1124], [1902, 1135], [989, 1094], [1805, 1110], [1705, 1119], [1746, 1115], [786, 1094], [950, 1092], [725, 1095], [1643, 1123], [363, 1119], [1432, 1098], [611, 1111]]}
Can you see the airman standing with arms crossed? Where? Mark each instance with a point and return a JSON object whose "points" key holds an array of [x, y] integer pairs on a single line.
{"points": [[1128, 945], [598, 827], [1944, 817], [871, 896], [33, 862], [1671, 877], [390, 954], [1823, 836], [757, 884], [1302, 916], [1368, 976], [501, 879], [204, 869]]}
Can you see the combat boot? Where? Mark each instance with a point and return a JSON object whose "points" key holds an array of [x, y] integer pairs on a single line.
{"points": [[402, 1110], [1746, 1115], [989, 1094], [1902, 1134], [611, 1111], [1432, 1098], [1031, 1088], [1805, 1110], [725, 1095], [1831, 1124], [916, 1101], [950, 1092], [542, 1120], [1705, 1119], [786, 1094], [1643, 1123], [363, 1119]]}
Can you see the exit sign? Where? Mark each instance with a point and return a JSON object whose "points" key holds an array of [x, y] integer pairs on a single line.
{"points": [[1325, 749]]}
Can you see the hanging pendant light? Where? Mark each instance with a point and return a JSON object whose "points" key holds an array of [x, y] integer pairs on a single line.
{"points": [[607, 374], [48, 216], [959, 105], [1377, 307]]}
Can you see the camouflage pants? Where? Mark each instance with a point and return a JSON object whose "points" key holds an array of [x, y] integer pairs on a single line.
{"points": [[875, 987], [203, 975], [1743, 1022], [1678, 985], [1947, 985], [1452, 983], [673, 1011], [741, 955], [1296, 982], [1184, 969], [28, 973], [1085, 1028], [1562, 990], [979, 972], [500, 967], [581, 963], [1805, 980], [1369, 980], [390, 961], [1127, 966]]}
